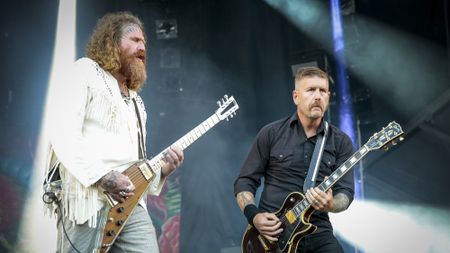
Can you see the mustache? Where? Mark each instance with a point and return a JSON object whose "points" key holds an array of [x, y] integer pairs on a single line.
{"points": [[141, 55], [315, 104]]}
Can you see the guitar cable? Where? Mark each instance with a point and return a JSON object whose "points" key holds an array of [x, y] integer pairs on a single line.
{"points": [[64, 227], [50, 197]]}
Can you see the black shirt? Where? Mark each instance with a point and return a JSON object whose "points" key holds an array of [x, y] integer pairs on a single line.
{"points": [[282, 153]]}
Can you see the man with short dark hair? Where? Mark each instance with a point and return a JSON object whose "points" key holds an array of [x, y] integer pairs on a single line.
{"points": [[101, 132], [282, 153]]}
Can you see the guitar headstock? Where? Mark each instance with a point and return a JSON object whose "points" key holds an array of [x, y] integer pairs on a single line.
{"points": [[227, 107], [388, 135]]}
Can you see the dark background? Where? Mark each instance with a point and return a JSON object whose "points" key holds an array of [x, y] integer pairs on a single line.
{"points": [[242, 48]]}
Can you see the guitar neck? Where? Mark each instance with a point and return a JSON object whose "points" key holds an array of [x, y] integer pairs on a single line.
{"points": [[333, 178], [344, 168], [187, 139]]}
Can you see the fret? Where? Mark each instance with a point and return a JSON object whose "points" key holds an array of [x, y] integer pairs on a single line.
{"points": [[201, 128], [306, 204], [357, 155], [183, 144], [348, 164], [205, 125], [215, 119], [322, 188], [334, 176], [197, 132], [364, 150], [210, 122], [194, 134], [186, 140]]}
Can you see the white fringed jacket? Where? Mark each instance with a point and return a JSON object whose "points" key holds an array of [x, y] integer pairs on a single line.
{"points": [[96, 132]]}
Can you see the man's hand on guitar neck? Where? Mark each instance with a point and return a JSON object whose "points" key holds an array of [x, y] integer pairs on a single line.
{"points": [[118, 185], [321, 201], [327, 201], [173, 158]]}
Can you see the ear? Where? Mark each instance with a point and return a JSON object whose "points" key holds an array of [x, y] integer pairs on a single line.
{"points": [[295, 96]]}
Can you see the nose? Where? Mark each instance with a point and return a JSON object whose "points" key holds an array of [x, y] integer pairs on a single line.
{"points": [[141, 46], [317, 94]]}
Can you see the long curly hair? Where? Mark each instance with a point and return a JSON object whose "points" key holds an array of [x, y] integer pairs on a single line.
{"points": [[103, 45]]}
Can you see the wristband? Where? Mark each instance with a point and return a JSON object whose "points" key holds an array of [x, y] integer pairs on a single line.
{"points": [[250, 211]]}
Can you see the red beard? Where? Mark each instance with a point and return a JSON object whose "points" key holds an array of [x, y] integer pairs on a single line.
{"points": [[134, 70]]}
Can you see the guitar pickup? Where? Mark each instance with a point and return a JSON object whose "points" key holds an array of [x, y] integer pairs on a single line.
{"points": [[146, 171], [290, 216]]}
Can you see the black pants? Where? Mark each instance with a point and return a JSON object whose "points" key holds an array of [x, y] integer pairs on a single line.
{"points": [[323, 242]]}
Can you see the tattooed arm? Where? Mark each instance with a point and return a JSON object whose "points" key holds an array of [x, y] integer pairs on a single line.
{"points": [[326, 201], [118, 185], [266, 223], [341, 202], [245, 198]]}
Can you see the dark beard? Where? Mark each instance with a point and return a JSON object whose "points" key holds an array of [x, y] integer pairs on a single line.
{"points": [[133, 69]]}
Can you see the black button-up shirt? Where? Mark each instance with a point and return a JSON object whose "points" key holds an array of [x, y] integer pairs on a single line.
{"points": [[282, 153]]}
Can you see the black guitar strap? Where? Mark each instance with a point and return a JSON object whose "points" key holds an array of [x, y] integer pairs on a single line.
{"points": [[142, 149], [315, 160]]}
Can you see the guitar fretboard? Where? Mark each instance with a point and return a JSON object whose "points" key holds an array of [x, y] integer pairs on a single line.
{"points": [[185, 141], [333, 178]]}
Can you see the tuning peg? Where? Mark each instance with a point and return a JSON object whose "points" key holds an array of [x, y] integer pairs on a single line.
{"points": [[394, 143], [228, 119], [219, 103], [231, 115], [401, 138], [226, 96], [385, 148]]}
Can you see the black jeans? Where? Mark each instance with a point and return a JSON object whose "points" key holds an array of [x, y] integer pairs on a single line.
{"points": [[323, 242]]}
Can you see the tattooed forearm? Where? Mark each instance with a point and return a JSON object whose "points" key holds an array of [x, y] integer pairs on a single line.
{"points": [[109, 181], [245, 198], [341, 202]]}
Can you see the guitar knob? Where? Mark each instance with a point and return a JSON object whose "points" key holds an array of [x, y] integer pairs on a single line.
{"points": [[121, 209], [119, 223], [111, 233]]}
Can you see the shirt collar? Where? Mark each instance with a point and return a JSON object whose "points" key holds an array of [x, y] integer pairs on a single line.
{"points": [[295, 120]]}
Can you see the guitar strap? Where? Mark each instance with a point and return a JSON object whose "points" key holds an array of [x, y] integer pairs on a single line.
{"points": [[315, 160], [141, 144]]}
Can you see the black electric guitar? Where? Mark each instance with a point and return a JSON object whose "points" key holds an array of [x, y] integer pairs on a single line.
{"points": [[296, 210], [141, 174]]}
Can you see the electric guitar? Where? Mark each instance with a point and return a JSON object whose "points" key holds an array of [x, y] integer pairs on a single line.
{"points": [[296, 210], [141, 174]]}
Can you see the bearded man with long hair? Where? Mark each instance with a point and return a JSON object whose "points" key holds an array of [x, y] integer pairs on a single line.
{"points": [[101, 131]]}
